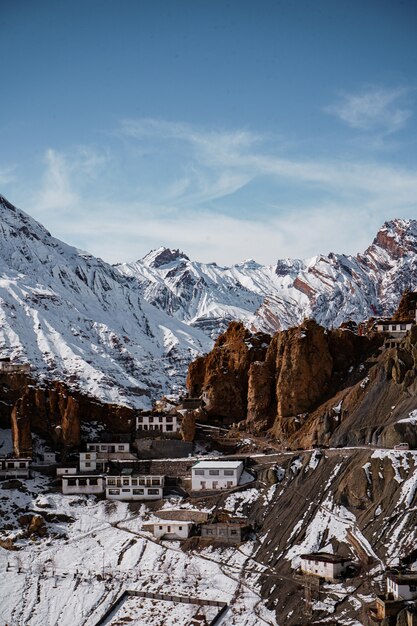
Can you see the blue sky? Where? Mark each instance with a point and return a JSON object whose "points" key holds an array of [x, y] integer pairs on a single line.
{"points": [[229, 129]]}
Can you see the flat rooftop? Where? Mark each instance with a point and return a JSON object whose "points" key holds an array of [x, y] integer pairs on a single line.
{"points": [[217, 464], [325, 557]]}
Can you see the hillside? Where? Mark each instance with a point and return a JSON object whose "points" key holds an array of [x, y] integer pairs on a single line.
{"points": [[308, 385], [75, 318]]}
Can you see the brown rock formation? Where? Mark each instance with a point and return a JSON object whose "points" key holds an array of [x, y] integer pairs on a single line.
{"points": [[187, 430], [303, 367], [21, 432], [407, 307], [53, 411], [301, 370], [222, 375]]}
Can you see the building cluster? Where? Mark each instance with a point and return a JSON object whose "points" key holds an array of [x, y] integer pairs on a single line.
{"points": [[109, 468], [400, 595]]}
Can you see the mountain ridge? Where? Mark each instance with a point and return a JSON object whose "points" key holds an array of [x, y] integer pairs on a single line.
{"points": [[329, 288], [74, 317]]}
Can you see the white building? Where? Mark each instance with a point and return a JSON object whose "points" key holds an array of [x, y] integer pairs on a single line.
{"points": [[6, 366], [11, 467], [171, 529], [82, 484], [161, 423], [49, 458], [396, 328], [64, 471], [215, 475], [402, 586], [324, 565], [129, 487], [98, 461]]}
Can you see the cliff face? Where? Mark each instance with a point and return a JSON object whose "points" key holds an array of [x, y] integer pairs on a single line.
{"points": [[222, 375], [313, 386], [407, 307], [53, 411]]}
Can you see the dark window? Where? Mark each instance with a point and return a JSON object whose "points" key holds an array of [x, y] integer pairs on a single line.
{"points": [[151, 420], [82, 482], [214, 472], [228, 472], [114, 492], [385, 327], [156, 481], [403, 327], [169, 428], [138, 492], [22, 464], [93, 481], [153, 492], [394, 327], [140, 420], [72, 482], [170, 418]]}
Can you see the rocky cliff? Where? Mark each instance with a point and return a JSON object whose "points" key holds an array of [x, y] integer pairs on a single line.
{"points": [[54, 411], [309, 385], [222, 375]]}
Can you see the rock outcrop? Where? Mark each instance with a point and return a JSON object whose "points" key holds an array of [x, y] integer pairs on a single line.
{"points": [[54, 411], [222, 375], [407, 306], [307, 385]]}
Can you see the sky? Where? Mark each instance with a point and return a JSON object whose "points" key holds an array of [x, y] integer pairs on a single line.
{"points": [[230, 129]]}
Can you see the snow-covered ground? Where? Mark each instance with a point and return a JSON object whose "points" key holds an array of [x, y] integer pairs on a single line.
{"points": [[94, 550]]}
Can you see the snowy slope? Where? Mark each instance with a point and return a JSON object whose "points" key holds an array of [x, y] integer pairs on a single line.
{"points": [[76, 318], [331, 289]]}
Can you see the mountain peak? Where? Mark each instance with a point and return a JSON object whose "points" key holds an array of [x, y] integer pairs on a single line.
{"points": [[163, 256], [397, 237]]}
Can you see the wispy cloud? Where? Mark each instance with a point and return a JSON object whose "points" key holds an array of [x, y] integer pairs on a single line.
{"points": [[181, 186], [373, 109], [7, 175], [59, 190]]}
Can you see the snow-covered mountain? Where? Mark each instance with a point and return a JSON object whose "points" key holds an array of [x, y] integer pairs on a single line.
{"points": [[127, 333], [76, 318], [331, 289]]}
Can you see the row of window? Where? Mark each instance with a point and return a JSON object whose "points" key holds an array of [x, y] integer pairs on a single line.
{"points": [[135, 492], [82, 482], [151, 418], [213, 472], [168, 427], [106, 448], [387, 327], [119, 482], [14, 465]]}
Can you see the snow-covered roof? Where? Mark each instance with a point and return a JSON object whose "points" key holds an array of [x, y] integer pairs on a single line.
{"points": [[217, 464]]}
